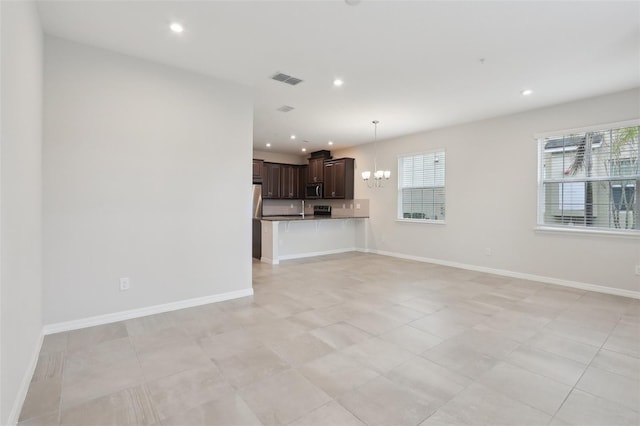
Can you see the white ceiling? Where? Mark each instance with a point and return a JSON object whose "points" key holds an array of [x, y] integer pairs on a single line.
{"points": [[413, 65]]}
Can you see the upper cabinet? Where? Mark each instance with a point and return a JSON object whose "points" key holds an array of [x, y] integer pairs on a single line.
{"points": [[316, 170], [271, 184], [338, 178], [282, 181], [257, 170], [292, 181]]}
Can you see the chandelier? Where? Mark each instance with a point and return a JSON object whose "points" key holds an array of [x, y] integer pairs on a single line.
{"points": [[378, 175]]}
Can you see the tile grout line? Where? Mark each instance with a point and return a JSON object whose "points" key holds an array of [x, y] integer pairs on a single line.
{"points": [[574, 387]]}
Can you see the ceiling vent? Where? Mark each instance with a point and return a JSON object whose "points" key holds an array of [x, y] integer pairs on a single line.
{"points": [[285, 78], [286, 108]]}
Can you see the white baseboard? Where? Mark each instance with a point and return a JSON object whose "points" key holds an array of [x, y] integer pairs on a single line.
{"points": [[141, 312], [316, 253], [14, 415], [547, 280]]}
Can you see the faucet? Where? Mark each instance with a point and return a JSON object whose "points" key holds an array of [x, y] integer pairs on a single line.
{"points": [[302, 214]]}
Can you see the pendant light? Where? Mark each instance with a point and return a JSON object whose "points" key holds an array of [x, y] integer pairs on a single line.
{"points": [[378, 175]]}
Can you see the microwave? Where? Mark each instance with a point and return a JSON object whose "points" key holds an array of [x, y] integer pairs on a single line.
{"points": [[313, 190]]}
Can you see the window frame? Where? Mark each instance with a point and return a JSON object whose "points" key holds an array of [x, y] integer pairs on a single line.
{"points": [[543, 227], [399, 200]]}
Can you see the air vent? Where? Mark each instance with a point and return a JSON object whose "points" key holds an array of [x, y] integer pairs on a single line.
{"points": [[286, 108], [286, 78]]}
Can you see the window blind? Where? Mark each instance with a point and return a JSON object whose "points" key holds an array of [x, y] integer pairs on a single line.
{"points": [[421, 187], [591, 179]]}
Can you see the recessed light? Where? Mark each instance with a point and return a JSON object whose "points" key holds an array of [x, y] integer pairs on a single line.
{"points": [[330, 142], [526, 92], [337, 82], [304, 149], [268, 145], [293, 136], [176, 27]]}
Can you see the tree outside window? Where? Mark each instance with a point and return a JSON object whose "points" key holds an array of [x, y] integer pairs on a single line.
{"points": [[591, 179]]}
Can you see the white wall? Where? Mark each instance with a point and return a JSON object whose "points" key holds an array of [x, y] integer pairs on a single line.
{"points": [[145, 176], [492, 195], [20, 198], [275, 157]]}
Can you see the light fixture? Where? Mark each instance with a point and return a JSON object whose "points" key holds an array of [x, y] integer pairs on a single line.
{"points": [[304, 149], [268, 145], [293, 137], [176, 27], [378, 175], [526, 92], [337, 82], [330, 142]]}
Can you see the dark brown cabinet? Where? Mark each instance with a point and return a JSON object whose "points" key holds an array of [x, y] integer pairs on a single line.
{"points": [[316, 170], [292, 181], [257, 170], [285, 181], [338, 178], [271, 180]]}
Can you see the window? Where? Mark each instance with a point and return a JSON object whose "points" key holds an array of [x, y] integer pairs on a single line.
{"points": [[421, 189], [591, 179]]}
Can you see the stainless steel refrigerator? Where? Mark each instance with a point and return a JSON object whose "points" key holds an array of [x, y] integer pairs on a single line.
{"points": [[256, 225]]}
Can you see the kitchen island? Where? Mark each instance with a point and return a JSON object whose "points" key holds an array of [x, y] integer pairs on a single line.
{"points": [[293, 237]]}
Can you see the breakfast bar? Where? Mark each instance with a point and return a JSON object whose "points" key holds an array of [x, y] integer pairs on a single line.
{"points": [[293, 237]]}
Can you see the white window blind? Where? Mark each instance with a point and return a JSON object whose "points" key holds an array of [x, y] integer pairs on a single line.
{"points": [[590, 179], [421, 186]]}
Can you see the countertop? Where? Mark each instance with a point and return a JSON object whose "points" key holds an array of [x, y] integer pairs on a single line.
{"points": [[285, 218]]}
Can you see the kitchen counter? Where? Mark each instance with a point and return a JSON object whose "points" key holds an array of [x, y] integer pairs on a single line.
{"points": [[291, 237], [284, 218]]}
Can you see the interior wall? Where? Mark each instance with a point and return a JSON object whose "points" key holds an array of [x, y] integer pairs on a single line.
{"points": [[20, 200], [275, 157], [491, 184], [141, 180]]}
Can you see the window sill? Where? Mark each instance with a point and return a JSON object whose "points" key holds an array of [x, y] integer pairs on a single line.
{"points": [[434, 222], [581, 231]]}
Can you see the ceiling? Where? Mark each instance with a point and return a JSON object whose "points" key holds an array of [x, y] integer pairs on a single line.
{"points": [[412, 65]]}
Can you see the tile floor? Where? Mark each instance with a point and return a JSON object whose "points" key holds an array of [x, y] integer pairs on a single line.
{"points": [[354, 339]]}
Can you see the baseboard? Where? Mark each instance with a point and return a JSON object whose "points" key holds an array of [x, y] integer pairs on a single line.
{"points": [[316, 253], [141, 312], [14, 415], [512, 274]]}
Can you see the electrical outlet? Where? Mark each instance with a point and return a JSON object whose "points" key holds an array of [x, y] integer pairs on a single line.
{"points": [[487, 251], [351, 206], [344, 206], [291, 206], [357, 205], [637, 269], [125, 284]]}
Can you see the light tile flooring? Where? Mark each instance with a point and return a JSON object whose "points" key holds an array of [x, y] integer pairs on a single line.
{"points": [[355, 339]]}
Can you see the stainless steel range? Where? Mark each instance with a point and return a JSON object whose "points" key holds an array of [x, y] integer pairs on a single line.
{"points": [[321, 210]]}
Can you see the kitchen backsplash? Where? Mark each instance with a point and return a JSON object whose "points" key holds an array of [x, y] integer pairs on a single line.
{"points": [[339, 208]]}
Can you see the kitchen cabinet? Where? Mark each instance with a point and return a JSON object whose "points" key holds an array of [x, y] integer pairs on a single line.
{"points": [[271, 180], [292, 181], [338, 178], [316, 170], [257, 170]]}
